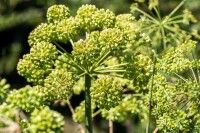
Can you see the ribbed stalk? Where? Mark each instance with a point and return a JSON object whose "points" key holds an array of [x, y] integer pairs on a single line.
{"points": [[88, 112]]}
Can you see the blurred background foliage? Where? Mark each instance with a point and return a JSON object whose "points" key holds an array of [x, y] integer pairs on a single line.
{"points": [[19, 17]]}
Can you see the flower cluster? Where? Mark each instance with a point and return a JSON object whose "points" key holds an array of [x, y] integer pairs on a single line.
{"points": [[36, 65], [139, 70], [175, 104], [57, 13], [46, 120], [28, 98], [86, 51], [106, 92], [174, 60], [127, 108], [114, 46], [59, 84], [92, 18]]}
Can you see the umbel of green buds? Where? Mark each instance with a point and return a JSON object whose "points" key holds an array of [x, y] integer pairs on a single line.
{"points": [[106, 49]]}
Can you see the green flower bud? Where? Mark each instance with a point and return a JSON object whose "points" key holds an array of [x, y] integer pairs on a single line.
{"points": [[104, 19], [78, 86], [36, 65], [106, 92], [85, 52], [153, 4], [188, 17], [139, 70], [67, 29], [43, 32], [59, 84], [84, 15], [112, 38], [28, 98], [127, 108], [46, 121], [57, 13], [174, 60]]}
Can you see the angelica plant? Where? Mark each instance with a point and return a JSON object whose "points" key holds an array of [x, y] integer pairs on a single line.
{"points": [[101, 60], [108, 57]]}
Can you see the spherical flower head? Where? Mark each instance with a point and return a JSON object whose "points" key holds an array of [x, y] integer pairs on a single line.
{"points": [[176, 120], [43, 32], [59, 84], [106, 92], [139, 70], [92, 18], [36, 65], [57, 13], [44, 51], [87, 51], [84, 15], [67, 29], [27, 98], [112, 39], [127, 108], [130, 27], [124, 18], [46, 120], [104, 19], [175, 61]]}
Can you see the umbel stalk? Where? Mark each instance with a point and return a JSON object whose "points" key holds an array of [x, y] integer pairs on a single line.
{"points": [[88, 113]]}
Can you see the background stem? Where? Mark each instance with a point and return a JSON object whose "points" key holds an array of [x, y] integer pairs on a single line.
{"points": [[88, 114]]}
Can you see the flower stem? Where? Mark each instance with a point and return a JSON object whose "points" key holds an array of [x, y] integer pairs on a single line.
{"points": [[150, 95], [110, 126], [88, 113]]}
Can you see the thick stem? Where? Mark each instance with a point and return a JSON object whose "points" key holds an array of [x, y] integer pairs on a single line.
{"points": [[110, 126], [88, 112]]}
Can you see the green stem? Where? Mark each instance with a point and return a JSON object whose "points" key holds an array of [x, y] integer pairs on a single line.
{"points": [[147, 15], [88, 113], [163, 36], [150, 95], [174, 11], [157, 13], [175, 18]]}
